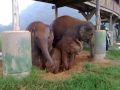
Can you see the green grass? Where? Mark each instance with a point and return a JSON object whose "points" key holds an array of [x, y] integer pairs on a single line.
{"points": [[113, 54], [93, 77]]}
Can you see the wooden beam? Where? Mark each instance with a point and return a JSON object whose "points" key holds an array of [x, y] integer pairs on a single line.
{"points": [[91, 14], [88, 15]]}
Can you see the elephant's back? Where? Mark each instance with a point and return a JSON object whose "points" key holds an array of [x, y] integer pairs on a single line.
{"points": [[63, 25], [67, 21]]}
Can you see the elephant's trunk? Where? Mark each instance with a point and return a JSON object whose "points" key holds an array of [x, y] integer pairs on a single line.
{"points": [[43, 45]]}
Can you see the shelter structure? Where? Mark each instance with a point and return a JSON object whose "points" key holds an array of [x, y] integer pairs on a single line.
{"points": [[108, 8], [105, 11]]}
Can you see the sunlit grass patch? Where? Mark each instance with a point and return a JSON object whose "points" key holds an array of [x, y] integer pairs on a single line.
{"points": [[113, 54]]}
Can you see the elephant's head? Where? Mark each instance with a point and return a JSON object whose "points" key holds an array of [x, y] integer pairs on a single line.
{"points": [[74, 46], [86, 31]]}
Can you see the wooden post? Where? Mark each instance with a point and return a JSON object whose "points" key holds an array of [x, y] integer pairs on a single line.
{"points": [[111, 23], [15, 14], [119, 2], [98, 20], [111, 29], [56, 12]]}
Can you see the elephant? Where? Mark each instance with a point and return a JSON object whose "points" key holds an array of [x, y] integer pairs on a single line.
{"points": [[64, 53], [42, 39], [69, 48], [72, 27]]}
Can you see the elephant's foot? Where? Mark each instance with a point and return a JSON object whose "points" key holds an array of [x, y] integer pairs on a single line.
{"points": [[50, 66], [90, 56]]}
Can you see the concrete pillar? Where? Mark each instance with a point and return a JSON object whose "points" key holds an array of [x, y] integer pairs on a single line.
{"points": [[16, 49], [100, 44]]}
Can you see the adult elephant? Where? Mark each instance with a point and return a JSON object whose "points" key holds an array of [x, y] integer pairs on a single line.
{"points": [[68, 26], [42, 39]]}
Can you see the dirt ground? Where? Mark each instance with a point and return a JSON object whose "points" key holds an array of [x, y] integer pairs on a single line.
{"points": [[77, 68]]}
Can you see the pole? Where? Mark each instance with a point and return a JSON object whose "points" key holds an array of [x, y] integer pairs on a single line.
{"points": [[15, 15], [56, 12], [111, 22], [98, 20], [111, 29]]}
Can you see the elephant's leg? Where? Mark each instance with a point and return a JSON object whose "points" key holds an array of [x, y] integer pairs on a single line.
{"points": [[65, 60], [71, 60], [43, 45]]}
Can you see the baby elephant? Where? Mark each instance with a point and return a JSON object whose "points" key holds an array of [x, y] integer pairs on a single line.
{"points": [[69, 50], [65, 52]]}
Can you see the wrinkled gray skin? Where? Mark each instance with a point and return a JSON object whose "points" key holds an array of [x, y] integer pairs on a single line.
{"points": [[42, 39], [71, 27]]}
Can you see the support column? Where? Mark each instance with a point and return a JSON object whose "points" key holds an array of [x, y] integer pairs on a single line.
{"points": [[56, 11], [16, 48], [98, 19], [119, 2], [111, 29], [115, 31], [100, 44], [100, 36], [15, 14]]}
